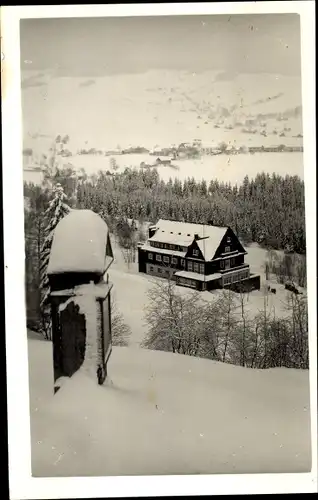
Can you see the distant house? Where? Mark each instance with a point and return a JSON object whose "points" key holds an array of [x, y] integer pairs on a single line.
{"points": [[163, 161], [203, 257]]}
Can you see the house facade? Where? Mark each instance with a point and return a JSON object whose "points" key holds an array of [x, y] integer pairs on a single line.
{"points": [[203, 257]]}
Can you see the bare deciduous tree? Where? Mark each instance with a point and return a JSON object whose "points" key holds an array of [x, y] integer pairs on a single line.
{"points": [[173, 319]]}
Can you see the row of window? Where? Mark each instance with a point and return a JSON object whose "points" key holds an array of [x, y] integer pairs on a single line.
{"points": [[159, 270], [235, 277], [195, 267], [191, 266], [187, 282], [168, 246], [164, 258], [226, 264]]}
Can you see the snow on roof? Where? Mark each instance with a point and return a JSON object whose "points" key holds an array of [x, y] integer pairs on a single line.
{"points": [[163, 250], [197, 276], [164, 236], [80, 244], [182, 233]]}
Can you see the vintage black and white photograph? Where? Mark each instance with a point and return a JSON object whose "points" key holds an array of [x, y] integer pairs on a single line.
{"points": [[165, 245]]}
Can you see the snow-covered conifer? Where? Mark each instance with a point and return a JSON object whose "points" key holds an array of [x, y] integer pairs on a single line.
{"points": [[56, 210]]}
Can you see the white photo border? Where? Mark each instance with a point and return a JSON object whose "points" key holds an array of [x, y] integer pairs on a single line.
{"points": [[22, 484]]}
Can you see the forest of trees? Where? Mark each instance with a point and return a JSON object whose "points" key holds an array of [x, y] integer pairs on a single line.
{"points": [[224, 330], [269, 210]]}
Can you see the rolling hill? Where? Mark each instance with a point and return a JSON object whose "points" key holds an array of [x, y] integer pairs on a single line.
{"points": [[164, 413], [160, 108]]}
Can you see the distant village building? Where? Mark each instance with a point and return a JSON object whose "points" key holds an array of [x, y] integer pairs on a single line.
{"points": [[203, 257], [163, 161]]}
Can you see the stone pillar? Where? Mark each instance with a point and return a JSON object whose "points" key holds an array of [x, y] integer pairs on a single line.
{"points": [[81, 325], [80, 256]]}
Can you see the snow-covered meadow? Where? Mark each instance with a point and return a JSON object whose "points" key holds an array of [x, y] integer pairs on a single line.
{"points": [[163, 413], [159, 107], [224, 168]]}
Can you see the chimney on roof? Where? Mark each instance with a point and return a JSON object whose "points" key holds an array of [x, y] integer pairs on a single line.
{"points": [[210, 222], [196, 237]]}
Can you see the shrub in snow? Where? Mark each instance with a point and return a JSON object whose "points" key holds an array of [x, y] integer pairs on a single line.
{"points": [[56, 210], [120, 330]]}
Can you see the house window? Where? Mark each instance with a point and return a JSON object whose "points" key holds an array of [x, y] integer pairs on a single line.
{"points": [[232, 262], [150, 256], [182, 263], [151, 268], [202, 268], [190, 266], [184, 249], [161, 245], [227, 280], [158, 258], [228, 240], [166, 245], [196, 267], [174, 260], [244, 275], [227, 264], [159, 270], [222, 264], [166, 259], [196, 253], [227, 249]]}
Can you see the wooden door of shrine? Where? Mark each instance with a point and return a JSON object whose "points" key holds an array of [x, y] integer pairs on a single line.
{"points": [[73, 338]]}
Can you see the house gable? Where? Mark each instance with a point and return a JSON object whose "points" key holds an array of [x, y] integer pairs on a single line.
{"points": [[229, 240], [194, 251]]}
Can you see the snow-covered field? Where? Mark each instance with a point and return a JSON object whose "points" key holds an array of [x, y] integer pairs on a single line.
{"points": [[164, 108], [162, 413], [158, 107], [222, 167]]}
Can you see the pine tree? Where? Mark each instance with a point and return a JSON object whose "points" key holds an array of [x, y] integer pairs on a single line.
{"points": [[56, 210]]}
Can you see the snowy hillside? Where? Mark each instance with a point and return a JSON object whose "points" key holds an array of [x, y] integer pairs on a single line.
{"points": [[168, 414], [160, 108]]}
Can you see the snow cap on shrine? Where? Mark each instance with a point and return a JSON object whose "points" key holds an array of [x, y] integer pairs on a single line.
{"points": [[81, 244]]}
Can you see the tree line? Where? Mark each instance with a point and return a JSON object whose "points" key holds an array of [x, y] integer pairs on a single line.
{"points": [[224, 330], [268, 209]]}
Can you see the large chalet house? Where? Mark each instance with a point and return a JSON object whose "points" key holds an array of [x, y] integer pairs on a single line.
{"points": [[203, 257]]}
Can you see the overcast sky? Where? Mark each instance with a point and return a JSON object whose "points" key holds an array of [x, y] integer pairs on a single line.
{"points": [[101, 46]]}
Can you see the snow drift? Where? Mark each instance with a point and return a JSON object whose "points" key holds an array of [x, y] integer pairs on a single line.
{"points": [[162, 413], [79, 244]]}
